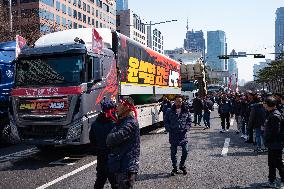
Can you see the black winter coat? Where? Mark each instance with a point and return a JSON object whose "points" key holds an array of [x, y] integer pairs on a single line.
{"points": [[257, 116], [99, 131], [124, 140], [197, 105], [272, 130]]}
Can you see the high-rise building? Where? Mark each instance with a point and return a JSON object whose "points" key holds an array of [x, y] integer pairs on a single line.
{"points": [[155, 39], [121, 5], [258, 67], [181, 55], [194, 41], [233, 70], [279, 31], [34, 18], [131, 25], [216, 46]]}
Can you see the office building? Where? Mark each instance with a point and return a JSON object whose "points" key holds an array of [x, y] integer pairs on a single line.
{"points": [[216, 46], [194, 42], [155, 39], [258, 67], [34, 18], [279, 32], [183, 56], [132, 25], [121, 5]]}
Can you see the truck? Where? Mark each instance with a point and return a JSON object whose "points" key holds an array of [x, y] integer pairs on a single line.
{"points": [[7, 55], [61, 81]]}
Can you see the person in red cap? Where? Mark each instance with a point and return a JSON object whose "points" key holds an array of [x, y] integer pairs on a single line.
{"points": [[103, 125], [124, 142]]}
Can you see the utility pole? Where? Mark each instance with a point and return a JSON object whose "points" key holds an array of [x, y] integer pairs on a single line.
{"points": [[11, 17]]}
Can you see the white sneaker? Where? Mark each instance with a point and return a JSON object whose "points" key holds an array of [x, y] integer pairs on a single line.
{"points": [[227, 130], [222, 131], [243, 136]]}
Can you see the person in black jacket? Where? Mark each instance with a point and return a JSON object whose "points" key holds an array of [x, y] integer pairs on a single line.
{"points": [[224, 111], [273, 142], [251, 100], [197, 108], [237, 107], [207, 107], [124, 142], [104, 123], [178, 123], [256, 121]]}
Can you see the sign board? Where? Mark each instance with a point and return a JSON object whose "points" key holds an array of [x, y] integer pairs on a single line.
{"points": [[242, 54]]}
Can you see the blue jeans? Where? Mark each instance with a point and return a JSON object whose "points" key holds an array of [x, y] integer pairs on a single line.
{"points": [[258, 137], [183, 156], [206, 119]]}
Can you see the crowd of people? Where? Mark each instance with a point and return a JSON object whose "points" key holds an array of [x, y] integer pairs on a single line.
{"points": [[259, 119]]}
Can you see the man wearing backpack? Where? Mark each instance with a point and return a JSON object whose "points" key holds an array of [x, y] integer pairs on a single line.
{"points": [[273, 134]]}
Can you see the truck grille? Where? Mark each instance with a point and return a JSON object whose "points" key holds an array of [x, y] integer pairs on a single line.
{"points": [[43, 132]]}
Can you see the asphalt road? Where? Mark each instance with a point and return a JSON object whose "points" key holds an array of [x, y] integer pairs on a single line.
{"points": [[210, 165]]}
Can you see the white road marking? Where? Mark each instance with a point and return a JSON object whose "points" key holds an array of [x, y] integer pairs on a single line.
{"points": [[232, 122], [161, 130], [226, 147], [67, 175], [60, 161], [24, 152]]}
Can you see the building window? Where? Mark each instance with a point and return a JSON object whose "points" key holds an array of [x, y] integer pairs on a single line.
{"points": [[75, 3], [48, 2], [69, 24], [89, 20], [58, 20], [88, 8], [63, 8], [101, 25], [79, 16], [84, 6], [97, 13], [58, 5], [79, 4], [69, 1], [97, 24], [69, 11], [93, 22], [75, 25], [93, 11], [84, 18], [105, 7], [75, 14], [80, 26], [64, 22]]}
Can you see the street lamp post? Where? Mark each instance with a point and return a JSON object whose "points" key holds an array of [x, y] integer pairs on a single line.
{"points": [[10, 14]]}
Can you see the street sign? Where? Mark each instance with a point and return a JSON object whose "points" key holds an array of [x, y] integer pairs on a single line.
{"points": [[242, 54]]}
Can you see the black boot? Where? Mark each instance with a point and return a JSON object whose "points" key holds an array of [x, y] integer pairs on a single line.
{"points": [[174, 172], [183, 169]]}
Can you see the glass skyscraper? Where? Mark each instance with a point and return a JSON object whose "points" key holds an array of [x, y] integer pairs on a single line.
{"points": [[121, 5], [216, 46], [279, 31]]}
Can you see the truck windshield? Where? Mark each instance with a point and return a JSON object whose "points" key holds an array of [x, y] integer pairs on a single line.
{"points": [[60, 71]]}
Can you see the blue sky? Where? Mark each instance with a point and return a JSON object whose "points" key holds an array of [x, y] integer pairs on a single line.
{"points": [[249, 24]]}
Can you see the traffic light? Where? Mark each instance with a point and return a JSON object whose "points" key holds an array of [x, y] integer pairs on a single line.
{"points": [[223, 57], [259, 56]]}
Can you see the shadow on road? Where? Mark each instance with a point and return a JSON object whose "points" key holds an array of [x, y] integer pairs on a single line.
{"points": [[252, 186], [143, 177]]}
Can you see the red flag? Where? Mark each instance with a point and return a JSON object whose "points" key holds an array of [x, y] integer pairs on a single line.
{"points": [[20, 43], [97, 41]]}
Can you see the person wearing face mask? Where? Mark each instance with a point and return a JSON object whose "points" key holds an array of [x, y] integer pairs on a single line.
{"points": [[178, 123]]}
